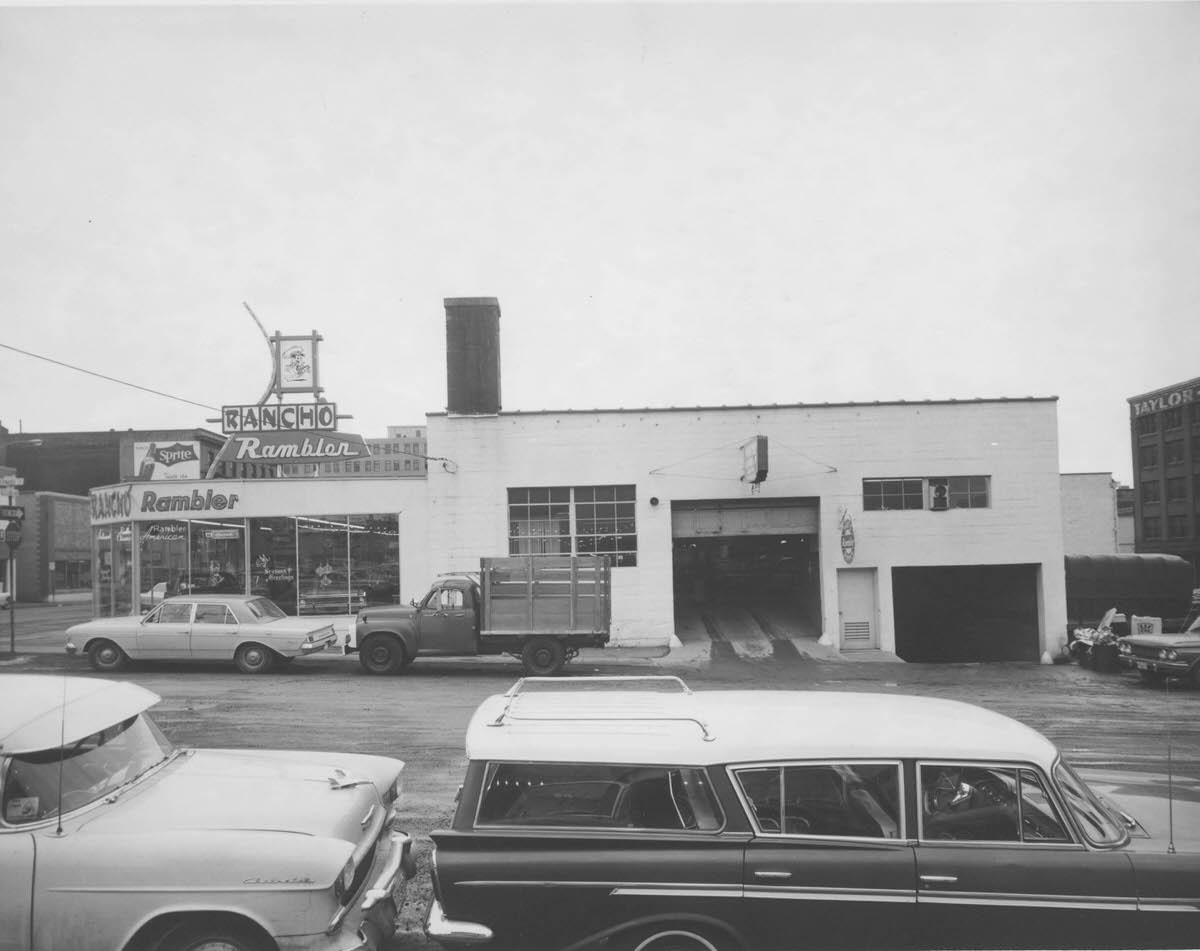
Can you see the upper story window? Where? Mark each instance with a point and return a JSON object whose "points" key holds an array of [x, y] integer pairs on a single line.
{"points": [[1148, 456], [598, 795], [851, 800], [1151, 491], [1178, 526], [936, 493], [1147, 424], [1151, 526], [1173, 418], [579, 520], [1176, 489], [1173, 452]]}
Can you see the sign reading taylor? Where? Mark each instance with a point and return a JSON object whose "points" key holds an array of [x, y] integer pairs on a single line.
{"points": [[289, 447]]}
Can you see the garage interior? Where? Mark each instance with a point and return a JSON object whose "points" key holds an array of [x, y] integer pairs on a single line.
{"points": [[746, 573], [966, 613]]}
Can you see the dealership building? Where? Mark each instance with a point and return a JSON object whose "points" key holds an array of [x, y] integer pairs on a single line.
{"points": [[928, 529]]}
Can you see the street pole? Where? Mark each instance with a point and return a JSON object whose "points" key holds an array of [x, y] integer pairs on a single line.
{"points": [[12, 618]]}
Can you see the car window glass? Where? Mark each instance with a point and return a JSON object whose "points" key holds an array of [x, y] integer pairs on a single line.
{"points": [[264, 608], [212, 614], [594, 795], [175, 612], [90, 769], [1099, 827], [969, 802], [154, 616], [842, 799], [762, 788], [1039, 818], [451, 599]]}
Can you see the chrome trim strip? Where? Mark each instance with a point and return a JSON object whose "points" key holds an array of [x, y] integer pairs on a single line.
{"points": [[672, 886], [689, 892], [1169, 904], [813, 893], [997, 899]]}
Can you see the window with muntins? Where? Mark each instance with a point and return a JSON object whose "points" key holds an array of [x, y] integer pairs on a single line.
{"points": [[1173, 418], [1151, 491], [1173, 452], [578, 520], [1176, 489], [1147, 425], [1178, 526], [1148, 456], [1151, 526], [933, 492]]}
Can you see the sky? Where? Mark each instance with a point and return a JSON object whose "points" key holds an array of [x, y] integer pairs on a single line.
{"points": [[675, 205]]}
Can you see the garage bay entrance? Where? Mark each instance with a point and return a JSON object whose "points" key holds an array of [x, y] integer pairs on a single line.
{"points": [[746, 572]]}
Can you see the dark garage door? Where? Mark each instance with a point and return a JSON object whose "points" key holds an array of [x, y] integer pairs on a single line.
{"points": [[966, 613]]}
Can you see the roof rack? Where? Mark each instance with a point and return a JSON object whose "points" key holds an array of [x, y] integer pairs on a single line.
{"points": [[567, 684], [513, 707]]}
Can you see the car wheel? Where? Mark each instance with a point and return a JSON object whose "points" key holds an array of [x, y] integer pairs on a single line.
{"points": [[106, 656], [543, 657], [681, 937], [254, 659], [381, 654], [216, 937]]}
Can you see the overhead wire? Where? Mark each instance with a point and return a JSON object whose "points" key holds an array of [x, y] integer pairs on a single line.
{"points": [[111, 379]]}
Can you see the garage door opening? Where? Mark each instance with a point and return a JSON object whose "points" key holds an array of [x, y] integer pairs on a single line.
{"points": [[746, 572], [966, 613]]}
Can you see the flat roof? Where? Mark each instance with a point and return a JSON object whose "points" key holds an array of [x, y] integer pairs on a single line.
{"points": [[713, 727], [762, 406], [1193, 384]]}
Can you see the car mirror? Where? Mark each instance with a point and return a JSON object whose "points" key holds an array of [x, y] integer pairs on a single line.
{"points": [[413, 602]]}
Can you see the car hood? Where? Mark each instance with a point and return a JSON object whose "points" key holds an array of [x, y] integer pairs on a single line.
{"points": [[106, 623], [1165, 808], [261, 790], [1174, 641], [388, 611]]}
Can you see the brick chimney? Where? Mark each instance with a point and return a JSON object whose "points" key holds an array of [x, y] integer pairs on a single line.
{"points": [[472, 356]]}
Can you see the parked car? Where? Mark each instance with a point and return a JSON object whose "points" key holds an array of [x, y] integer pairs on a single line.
{"points": [[249, 630], [111, 838], [1158, 656], [633, 813], [157, 593]]}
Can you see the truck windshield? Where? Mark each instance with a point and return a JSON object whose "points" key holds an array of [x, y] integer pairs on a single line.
{"points": [[90, 769]]}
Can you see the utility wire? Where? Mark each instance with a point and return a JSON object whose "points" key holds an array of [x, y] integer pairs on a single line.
{"points": [[111, 379]]}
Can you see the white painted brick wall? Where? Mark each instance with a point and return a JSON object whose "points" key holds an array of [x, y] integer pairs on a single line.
{"points": [[822, 452], [1089, 510]]}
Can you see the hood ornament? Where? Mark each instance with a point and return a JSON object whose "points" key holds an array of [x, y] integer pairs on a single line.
{"points": [[343, 780]]}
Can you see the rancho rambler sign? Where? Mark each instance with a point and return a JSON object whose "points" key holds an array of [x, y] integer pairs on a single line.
{"points": [[294, 446]]}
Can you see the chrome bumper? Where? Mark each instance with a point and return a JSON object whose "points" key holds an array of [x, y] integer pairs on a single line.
{"points": [[1170, 668], [447, 931]]}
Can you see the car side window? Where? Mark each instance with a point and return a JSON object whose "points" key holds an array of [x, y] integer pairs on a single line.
{"points": [[213, 614], [853, 800], [175, 612], [450, 599], [968, 802], [596, 795]]}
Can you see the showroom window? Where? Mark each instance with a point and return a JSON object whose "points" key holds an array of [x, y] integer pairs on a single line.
{"points": [[323, 563], [273, 560], [579, 520]]}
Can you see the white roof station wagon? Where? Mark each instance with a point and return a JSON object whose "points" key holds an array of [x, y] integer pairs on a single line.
{"points": [[634, 813], [112, 839]]}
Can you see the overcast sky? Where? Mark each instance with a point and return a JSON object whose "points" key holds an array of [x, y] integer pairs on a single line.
{"points": [[674, 204]]}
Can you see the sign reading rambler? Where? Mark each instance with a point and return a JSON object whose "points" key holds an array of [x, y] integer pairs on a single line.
{"points": [[196, 502], [305, 446]]}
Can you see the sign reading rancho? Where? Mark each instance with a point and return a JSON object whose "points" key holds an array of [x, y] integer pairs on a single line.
{"points": [[293, 447], [281, 417]]}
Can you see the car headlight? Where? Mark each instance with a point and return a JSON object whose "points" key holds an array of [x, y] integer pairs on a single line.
{"points": [[1171, 655], [344, 880], [1126, 649]]}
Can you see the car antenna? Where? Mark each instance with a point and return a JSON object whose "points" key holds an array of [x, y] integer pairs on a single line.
{"points": [[1170, 790], [62, 753]]}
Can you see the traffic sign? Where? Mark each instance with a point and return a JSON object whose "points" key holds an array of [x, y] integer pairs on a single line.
{"points": [[12, 535], [12, 511]]}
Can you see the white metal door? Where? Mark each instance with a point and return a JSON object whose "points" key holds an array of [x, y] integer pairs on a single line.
{"points": [[857, 611]]}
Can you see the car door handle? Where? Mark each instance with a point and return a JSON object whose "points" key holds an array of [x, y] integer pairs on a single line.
{"points": [[939, 879], [763, 873]]}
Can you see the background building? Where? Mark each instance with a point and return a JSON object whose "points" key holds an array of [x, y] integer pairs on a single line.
{"points": [[401, 453], [1164, 428]]}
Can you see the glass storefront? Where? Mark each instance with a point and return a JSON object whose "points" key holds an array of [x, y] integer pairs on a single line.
{"points": [[321, 564]]}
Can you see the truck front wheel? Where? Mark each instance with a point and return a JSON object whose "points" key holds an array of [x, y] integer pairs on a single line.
{"points": [[543, 656], [381, 654]]}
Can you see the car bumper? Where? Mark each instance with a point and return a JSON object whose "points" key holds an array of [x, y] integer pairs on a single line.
{"points": [[453, 933], [1168, 668], [371, 920]]}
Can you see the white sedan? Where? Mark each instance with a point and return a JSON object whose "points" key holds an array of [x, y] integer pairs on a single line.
{"points": [[250, 630]]}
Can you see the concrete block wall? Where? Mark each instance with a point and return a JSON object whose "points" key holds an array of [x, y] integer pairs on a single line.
{"points": [[821, 452]]}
